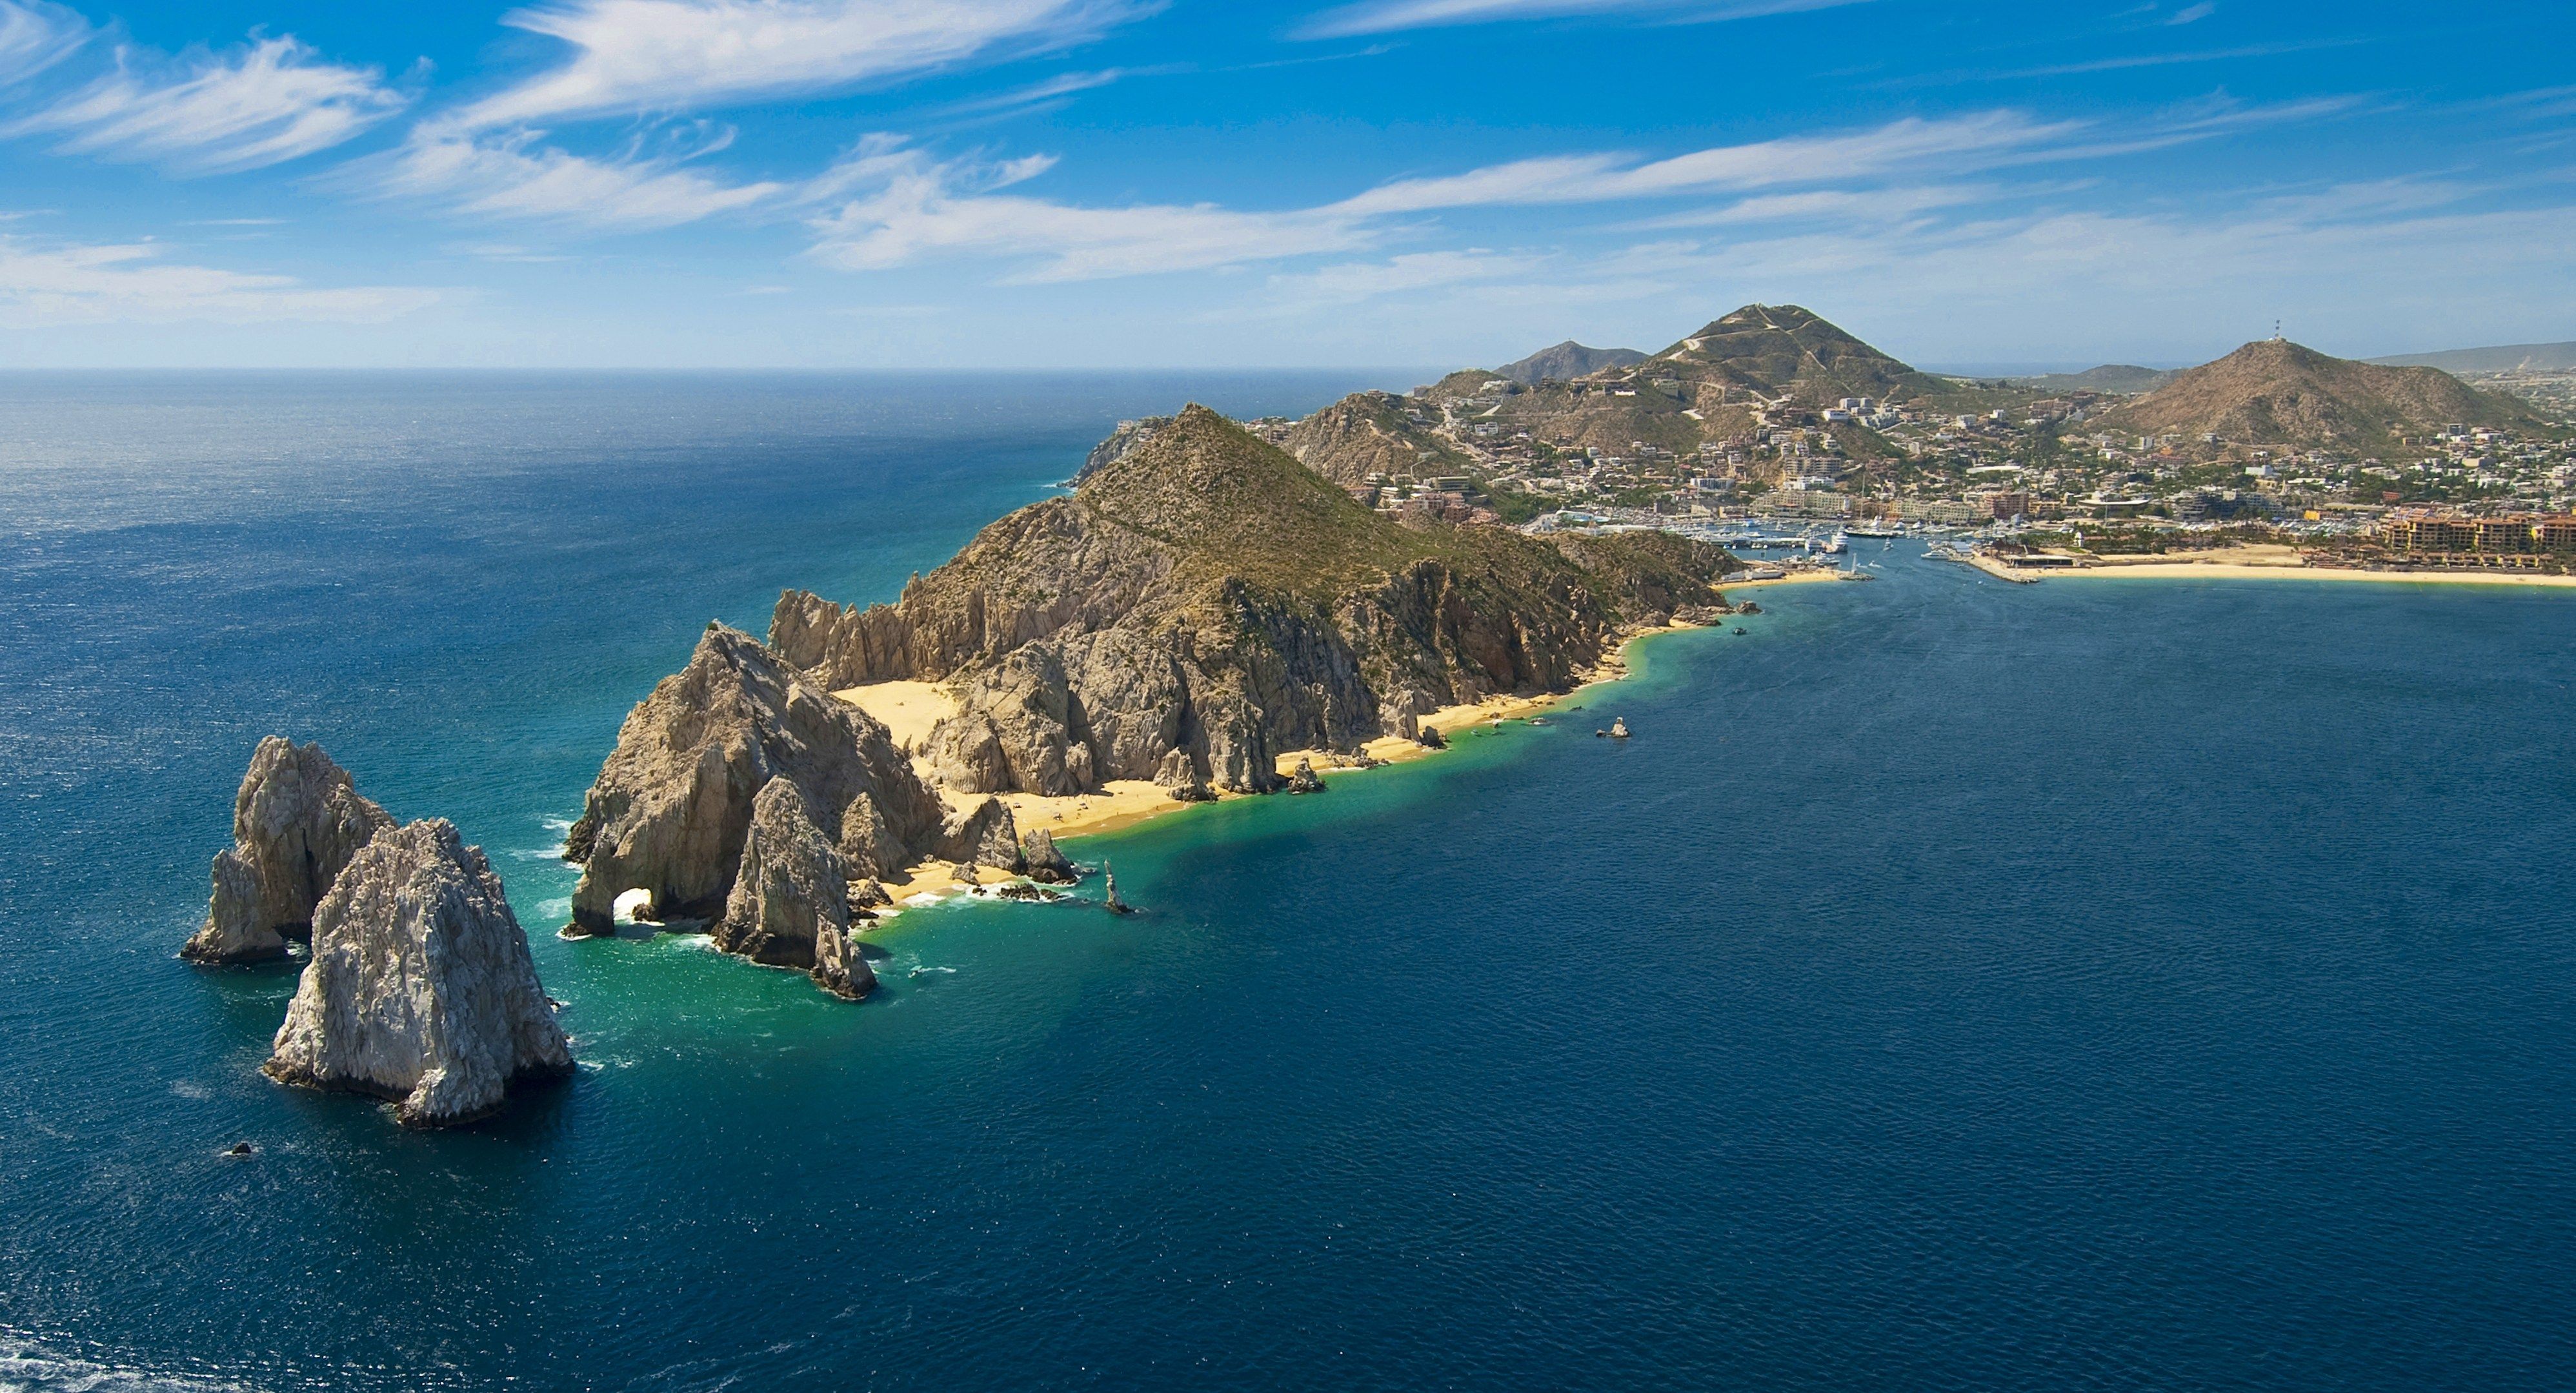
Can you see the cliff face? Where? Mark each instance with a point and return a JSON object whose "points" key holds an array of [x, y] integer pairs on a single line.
{"points": [[297, 821], [1203, 602], [420, 989], [672, 808]]}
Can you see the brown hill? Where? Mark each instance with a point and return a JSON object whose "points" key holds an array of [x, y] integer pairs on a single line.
{"points": [[1202, 603], [2274, 392], [1786, 350]]}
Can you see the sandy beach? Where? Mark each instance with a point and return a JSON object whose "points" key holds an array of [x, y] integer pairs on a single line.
{"points": [[2279, 563], [910, 709]]}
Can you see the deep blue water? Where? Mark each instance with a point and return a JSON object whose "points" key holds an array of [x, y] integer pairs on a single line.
{"points": [[2099, 984]]}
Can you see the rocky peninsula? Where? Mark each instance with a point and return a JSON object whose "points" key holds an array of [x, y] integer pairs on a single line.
{"points": [[1199, 609]]}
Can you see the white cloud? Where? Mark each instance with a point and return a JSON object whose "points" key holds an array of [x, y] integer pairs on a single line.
{"points": [[58, 283], [679, 55], [513, 176], [268, 102], [916, 208], [1387, 16], [35, 36], [1908, 144]]}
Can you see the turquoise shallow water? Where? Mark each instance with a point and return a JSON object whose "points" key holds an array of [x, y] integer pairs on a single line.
{"points": [[1954, 985]]}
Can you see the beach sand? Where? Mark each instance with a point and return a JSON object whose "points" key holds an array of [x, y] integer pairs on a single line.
{"points": [[2283, 563], [910, 709]]}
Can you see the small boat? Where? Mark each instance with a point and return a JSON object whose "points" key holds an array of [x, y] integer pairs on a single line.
{"points": [[1739, 628], [1618, 730]]}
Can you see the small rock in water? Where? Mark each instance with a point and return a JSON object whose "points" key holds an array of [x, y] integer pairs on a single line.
{"points": [[1305, 779]]}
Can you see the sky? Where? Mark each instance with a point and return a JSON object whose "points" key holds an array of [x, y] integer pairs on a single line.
{"points": [[946, 184]]}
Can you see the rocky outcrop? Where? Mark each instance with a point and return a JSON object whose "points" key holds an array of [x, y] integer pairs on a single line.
{"points": [[839, 968], [788, 893], [1044, 863], [672, 809], [983, 835], [420, 989], [1118, 444], [1179, 778], [297, 821], [1305, 779], [1203, 603]]}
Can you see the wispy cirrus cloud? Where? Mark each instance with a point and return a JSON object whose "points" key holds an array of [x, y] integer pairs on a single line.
{"points": [[686, 55], [65, 282], [514, 175], [34, 36], [1389, 16], [913, 208], [910, 207], [270, 101]]}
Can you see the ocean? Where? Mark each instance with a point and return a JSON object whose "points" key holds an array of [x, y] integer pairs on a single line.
{"points": [[1954, 985]]}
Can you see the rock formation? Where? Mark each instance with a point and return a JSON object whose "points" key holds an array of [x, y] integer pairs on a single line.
{"points": [[672, 808], [1046, 865], [297, 821], [1305, 779], [983, 835], [420, 989], [788, 892], [839, 968], [790, 905], [1203, 602]]}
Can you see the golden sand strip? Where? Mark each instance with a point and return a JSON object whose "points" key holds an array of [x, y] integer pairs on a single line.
{"points": [[910, 709], [2209, 570]]}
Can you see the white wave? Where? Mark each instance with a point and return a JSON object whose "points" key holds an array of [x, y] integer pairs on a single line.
{"points": [[190, 1088], [555, 909], [25, 1369], [556, 824]]}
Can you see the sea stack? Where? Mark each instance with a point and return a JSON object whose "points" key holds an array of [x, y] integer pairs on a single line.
{"points": [[420, 989], [791, 904], [297, 821]]}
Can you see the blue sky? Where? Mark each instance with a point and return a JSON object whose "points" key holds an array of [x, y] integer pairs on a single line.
{"points": [[1106, 183]]}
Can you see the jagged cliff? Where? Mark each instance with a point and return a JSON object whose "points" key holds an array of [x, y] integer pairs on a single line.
{"points": [[671, 810], [1204, 602]]}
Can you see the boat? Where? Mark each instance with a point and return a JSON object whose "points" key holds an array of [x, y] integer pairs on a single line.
{"points": [[1834, 545], [1618, 729], [1739, 628]]}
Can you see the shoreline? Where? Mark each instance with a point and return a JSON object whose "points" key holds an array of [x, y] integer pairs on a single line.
{"points": [[1129, 803], [2225, 570]]}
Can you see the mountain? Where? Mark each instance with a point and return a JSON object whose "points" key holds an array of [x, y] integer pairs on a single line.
{"points": [[2515, 357], [2274, 392], [1785, 350], [1565, 362], [1203, 603], [2122, 379]]}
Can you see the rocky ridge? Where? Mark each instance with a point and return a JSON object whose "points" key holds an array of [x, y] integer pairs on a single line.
{"points": [[420, 989], [1204, 602]]}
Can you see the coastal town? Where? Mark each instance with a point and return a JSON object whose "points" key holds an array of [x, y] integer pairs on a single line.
{"points": [[2275, 445]]}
